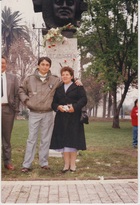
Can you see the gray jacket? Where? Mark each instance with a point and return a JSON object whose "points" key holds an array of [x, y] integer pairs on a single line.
{"points": [[38, 95]]}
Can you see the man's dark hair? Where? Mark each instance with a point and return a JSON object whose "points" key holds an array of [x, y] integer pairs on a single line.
{"points": [[44, 58], [135, 102]]}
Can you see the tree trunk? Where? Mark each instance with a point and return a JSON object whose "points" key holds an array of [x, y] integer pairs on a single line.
{"points": [[116, 108], [104, 105], [96, 109], [116, 121], [109, 104], [89, 112], [116, 111]]}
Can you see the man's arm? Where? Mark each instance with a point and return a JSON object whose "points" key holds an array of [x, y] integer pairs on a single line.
{"points": [[23, 92]]}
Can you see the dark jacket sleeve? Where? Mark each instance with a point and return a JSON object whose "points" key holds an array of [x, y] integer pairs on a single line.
{"points": [[82, 99]]}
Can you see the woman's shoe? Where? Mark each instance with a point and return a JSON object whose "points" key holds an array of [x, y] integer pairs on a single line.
{"points": [[73, 170], [64, 170]]}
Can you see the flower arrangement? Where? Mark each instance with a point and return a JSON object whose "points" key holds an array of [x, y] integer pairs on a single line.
{"points": [[54, 35]]}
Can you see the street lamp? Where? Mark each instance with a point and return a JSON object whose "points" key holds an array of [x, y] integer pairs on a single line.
{"points": [[38, 40]]}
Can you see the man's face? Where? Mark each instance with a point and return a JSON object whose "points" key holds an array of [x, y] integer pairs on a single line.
{"points": [[64, 9], [44, 67], [3, 65]]}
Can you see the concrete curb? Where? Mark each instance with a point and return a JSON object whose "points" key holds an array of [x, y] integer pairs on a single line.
{"points": [[76, 191]]}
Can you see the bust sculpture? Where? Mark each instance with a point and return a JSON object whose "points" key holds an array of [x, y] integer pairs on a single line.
{"points": [[58, 13]]}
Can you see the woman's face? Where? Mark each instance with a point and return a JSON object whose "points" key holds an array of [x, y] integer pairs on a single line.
{"points": [[66, 77]]}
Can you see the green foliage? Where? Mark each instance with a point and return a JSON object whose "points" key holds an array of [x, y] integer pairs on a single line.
{"points": [[109, 32], [109, 154]]}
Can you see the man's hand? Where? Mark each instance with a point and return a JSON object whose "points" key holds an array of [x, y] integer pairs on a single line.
{"points": [[78, 82], [25, 102]]}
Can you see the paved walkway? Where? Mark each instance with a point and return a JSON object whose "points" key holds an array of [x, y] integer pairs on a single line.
{"points": [[84, 192]]}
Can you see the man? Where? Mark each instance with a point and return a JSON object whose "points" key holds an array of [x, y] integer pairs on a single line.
{"points": [[9, 104], [37, 93]]}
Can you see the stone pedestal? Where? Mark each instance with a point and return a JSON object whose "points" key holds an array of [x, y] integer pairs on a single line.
{"points": [[63, 54]]}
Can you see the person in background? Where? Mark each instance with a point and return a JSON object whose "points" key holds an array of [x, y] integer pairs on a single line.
{"points": [[9, 108], [134, 120], [68, 134], [37, 93]]}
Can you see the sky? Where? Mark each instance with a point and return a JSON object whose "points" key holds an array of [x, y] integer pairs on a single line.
{"points": [[26, 9]]}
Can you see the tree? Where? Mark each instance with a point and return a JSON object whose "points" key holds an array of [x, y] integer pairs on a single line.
{"points": [[94, 93], [110, 33], [11, 29], [21, 59]]}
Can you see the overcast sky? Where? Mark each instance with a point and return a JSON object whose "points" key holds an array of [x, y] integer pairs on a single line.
{"points": [[26, 9]]}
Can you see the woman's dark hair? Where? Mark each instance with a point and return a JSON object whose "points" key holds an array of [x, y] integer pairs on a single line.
{"points": [[135, 102], [70, 70], [44, 58]]}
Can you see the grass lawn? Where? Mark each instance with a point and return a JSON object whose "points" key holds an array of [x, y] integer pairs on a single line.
{"points": [[109, 155]]}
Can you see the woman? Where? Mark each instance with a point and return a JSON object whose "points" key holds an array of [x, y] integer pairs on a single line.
{"points": [[134, 120], [68, 133]]}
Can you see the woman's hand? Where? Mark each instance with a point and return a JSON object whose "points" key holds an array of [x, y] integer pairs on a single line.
{"points": [[71, 109], [61, 108]]}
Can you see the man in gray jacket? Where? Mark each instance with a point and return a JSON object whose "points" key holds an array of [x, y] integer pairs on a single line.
{"points": [[37, 93]]}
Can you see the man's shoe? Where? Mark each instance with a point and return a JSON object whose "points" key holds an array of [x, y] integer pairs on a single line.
{"points": [[25, 170], [9, 166], [46, 167]]}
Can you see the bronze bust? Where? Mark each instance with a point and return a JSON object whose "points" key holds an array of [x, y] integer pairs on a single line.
{"points": [[58, 13]]}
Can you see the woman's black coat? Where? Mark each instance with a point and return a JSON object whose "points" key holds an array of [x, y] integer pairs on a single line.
{"points": [[68, 131]]}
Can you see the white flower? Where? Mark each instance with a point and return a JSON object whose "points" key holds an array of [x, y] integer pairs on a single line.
{"points": [[54, 35]]}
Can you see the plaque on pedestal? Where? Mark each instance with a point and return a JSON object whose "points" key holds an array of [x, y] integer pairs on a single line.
{"points": [[62, 54]]}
